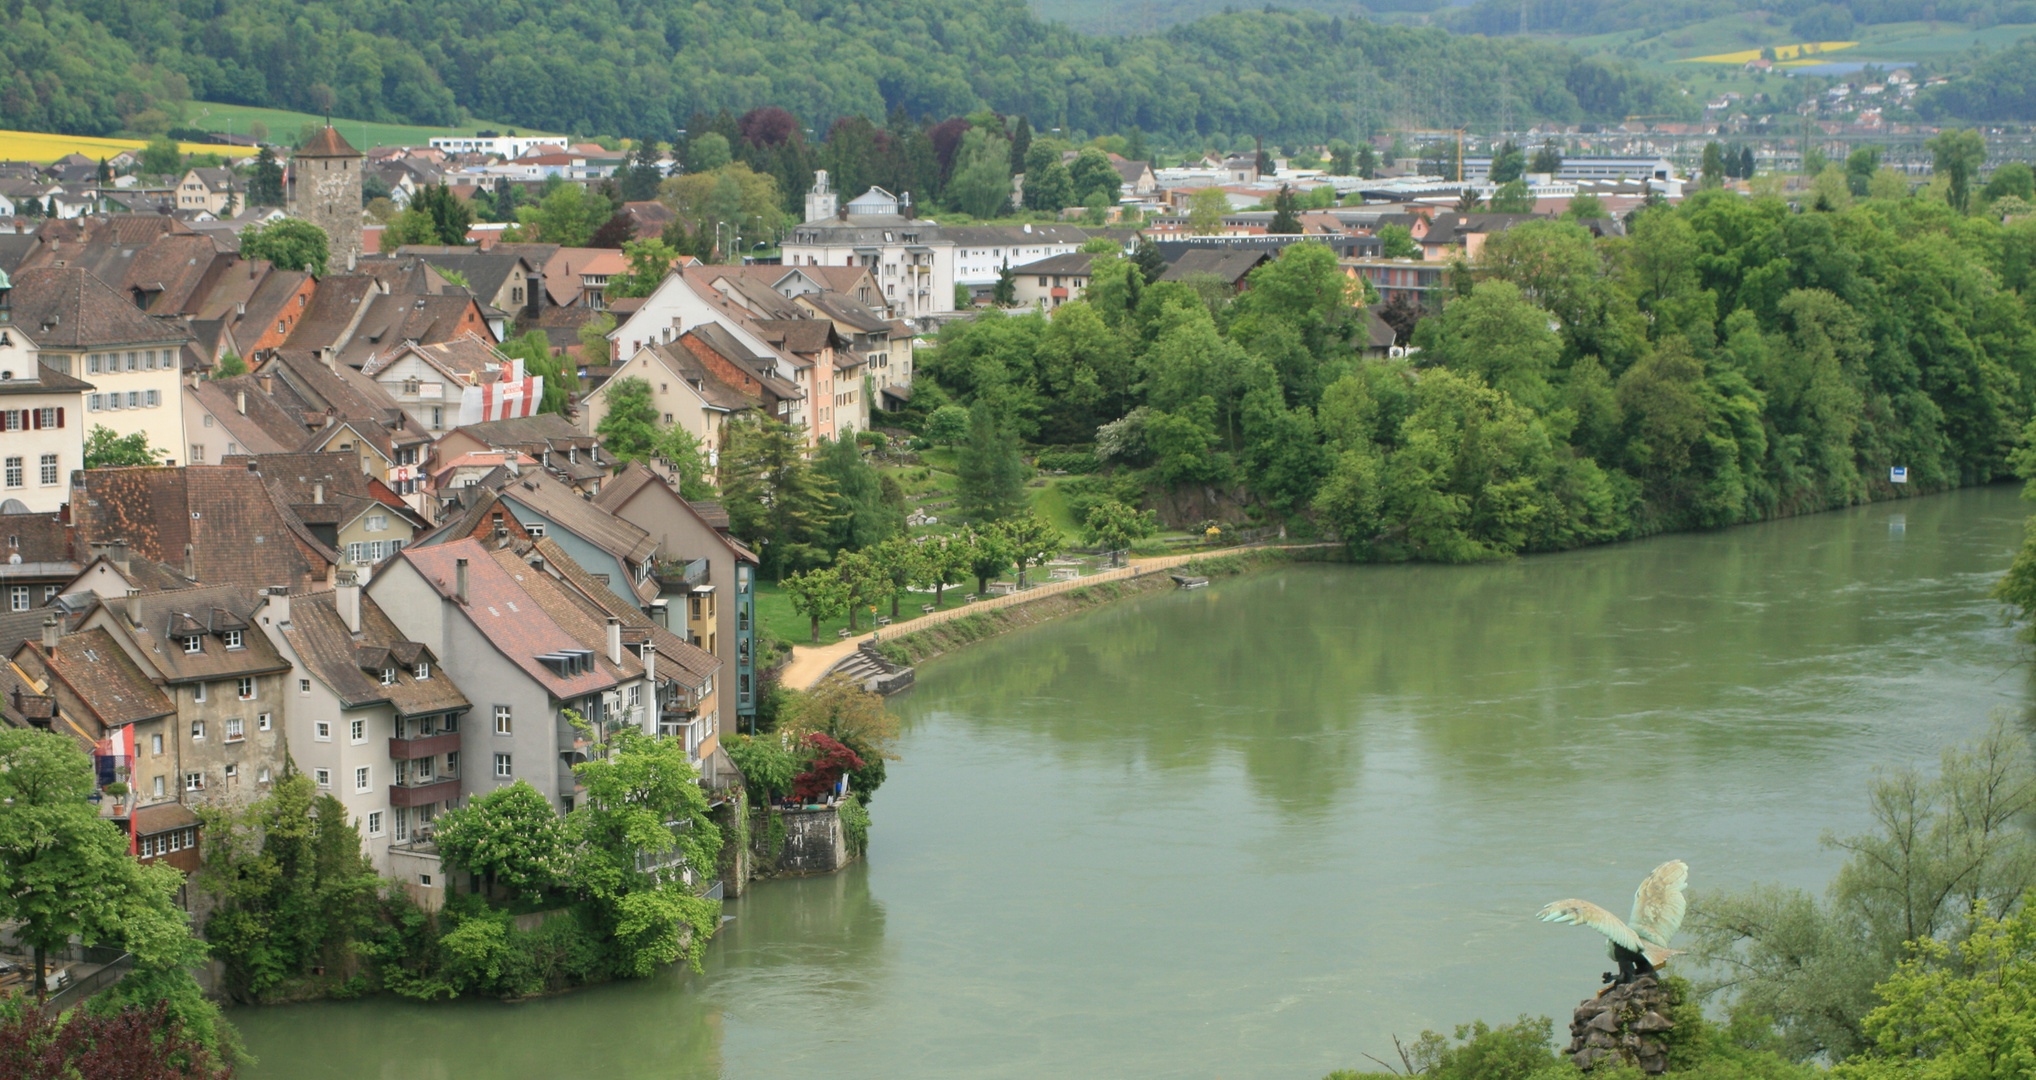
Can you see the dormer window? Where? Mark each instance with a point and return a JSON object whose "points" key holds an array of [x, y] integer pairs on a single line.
{"points": [[422, 670], [232, 638], [388, 676], [194, 645]]}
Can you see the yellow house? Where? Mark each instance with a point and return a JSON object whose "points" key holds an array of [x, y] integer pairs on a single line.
{"points": [[82, 327]]}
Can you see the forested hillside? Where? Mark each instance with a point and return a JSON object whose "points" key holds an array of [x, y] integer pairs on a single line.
{"points": [[1655, 16], [631, 67]]}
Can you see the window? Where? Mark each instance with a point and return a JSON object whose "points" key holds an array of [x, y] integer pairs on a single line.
{"points": [[264, 721], [425, 769], [92, 364], [245, 686], [437, 417], [17, 598], [388, 676], [378, 522], [49, 469], [304, 686], [235, 729], [134, 399], [155, 398], [198, 693], [197, 453], [402, 826], [134, 361], [323, 776], [194, 781], [449, 722], [155, 743], [14, 472], [262, 777], [197, 731], [357, 730], [194, 645], [635, 695], [502, 769], [374, 823], [535, 529], [232, 639], [49, 592], [361, 778], [452, 763], [157, 790], [424, 880], [422, 670], [232, 774], [502, 720], [322, 730]]}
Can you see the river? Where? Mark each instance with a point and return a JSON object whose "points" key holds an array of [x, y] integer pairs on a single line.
{"points": [[1254, 831]]}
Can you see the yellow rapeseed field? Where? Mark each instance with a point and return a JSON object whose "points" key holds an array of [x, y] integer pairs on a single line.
{"points": [[1781, 52], [37, 146]]}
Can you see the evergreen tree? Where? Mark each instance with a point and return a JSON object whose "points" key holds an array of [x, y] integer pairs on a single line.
{"points": [[265, 187], [449, 218], [1508, 164], [991, 475], [861, 518], [1005, 292], [776, 501], [1367, 161], [1548, 159], [1021, 144], [1151, 264], [1285, 220]]}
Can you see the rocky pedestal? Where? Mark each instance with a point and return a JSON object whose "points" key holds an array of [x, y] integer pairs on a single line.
{"points": [[1626, 1025]]}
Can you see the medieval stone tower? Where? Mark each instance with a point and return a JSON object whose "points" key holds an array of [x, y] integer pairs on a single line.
{"points": [[325, 189]]}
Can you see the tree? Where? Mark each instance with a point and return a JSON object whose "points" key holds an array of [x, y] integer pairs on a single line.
{"points": [[858, 516], [1031, 540], [706, 153], [65, 871], [947, 425], [1859, 170], [568, 216], [775, 499], [644, 802], [511, 837], [630, 429], [818, 594], [229, 366], [2012, 179], [1514, 197], [448, 215], [1151, 264], [1948, 854], [1548, 159], [981, 181], [839, 708], [534, 349], [1091, 175], [106, 450], [1957, 1010], [1112, 526], [1206, 210], [641, 178], [990, 474], [942, 561], [1367, 162], [265, 187], [1469, 201], [650, 261], [161, 157], [134, 1042], [1714, 165], [1397, 242], [289, 243], [1005, 292], [1047, 185], [903, 562], [1585, 207], [1957, 155], [988, 554], [1285, 220], [1508, 164]]}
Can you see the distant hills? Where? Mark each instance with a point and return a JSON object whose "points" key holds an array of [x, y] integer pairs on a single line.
{"points": [[644, 67]]}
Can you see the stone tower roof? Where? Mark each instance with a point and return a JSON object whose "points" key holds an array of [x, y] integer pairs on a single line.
{"points": [[328, 143]]}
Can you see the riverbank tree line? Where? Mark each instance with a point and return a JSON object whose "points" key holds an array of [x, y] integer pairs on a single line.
{"points": [[1919, 961], [1727, 360]]}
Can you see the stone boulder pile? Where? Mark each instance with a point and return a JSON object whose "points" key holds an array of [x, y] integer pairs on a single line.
{"points": [[1624, 1025]]}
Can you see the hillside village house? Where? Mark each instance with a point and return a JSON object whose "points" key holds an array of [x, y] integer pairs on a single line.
{"points": [[224, 678], [41, 420], [522, 669], [1049, 283], [82, 328], [683, 393], [911, 261], [373, 718], [215, 191]]}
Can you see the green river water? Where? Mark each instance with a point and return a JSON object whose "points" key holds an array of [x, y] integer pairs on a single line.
{"points": [[1255, 830]]}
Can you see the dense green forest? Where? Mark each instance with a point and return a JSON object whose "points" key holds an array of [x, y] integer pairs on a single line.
{"points": [[634, 67], [1654, 16], [1729, 360]]}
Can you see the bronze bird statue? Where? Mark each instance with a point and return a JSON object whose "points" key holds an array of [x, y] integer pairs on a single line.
{"points": [[1640, 944]]}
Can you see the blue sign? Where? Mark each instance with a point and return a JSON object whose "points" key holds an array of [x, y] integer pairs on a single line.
{"points": [[1899, 474]]}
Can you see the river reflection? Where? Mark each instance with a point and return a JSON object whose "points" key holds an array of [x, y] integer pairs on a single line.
{"points": [[1254, 830]]}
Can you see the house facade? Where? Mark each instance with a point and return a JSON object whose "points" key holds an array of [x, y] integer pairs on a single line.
{"points": [[84, 329]]}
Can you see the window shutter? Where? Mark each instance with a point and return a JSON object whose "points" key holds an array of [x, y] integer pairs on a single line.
{"points": [[60, 416]]}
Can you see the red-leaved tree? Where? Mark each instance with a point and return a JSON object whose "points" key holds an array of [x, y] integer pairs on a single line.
{"points": [[828, 761], [132, 1044]]}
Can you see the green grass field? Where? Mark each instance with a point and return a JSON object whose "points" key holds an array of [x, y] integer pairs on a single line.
{"points": [[776, 616], [284, 124]]}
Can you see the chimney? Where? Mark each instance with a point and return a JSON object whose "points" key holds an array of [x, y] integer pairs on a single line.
{"points": [[318, 494], [134, 607], [347, 598], [240, 401], [254, 465], [615, 641], [190, 562], [279, 603], [268, 382], [649, 655], [120, 556], [49, 641], [459, 589], [352, 259]]}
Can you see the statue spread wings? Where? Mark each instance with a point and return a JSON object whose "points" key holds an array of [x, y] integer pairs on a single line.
{"points": [[1640, 944]]}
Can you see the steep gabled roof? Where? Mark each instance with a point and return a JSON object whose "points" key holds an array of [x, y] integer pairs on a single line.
{"points": [[108, 680], [206, 613], [327, 142], [507, 616], [695, 662], [70, 309], [564, 507], [334, 656], [236, 529]]}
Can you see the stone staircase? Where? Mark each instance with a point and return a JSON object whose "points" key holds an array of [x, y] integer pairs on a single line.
{"points": [[870, 668]]}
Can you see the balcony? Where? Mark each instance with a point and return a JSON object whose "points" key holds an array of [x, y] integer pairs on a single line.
{"points": [[445, 742], [413, 793]]}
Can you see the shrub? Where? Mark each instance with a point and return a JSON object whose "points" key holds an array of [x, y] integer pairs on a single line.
{"points": [[1068, 461]]}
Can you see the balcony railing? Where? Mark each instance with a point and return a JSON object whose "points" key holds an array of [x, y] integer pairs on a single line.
{"points": [[445, 742], [687, 575], [424, 793]]}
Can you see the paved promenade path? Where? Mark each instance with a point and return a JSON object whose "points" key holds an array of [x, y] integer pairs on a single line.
{"points": [[810, 662]]}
